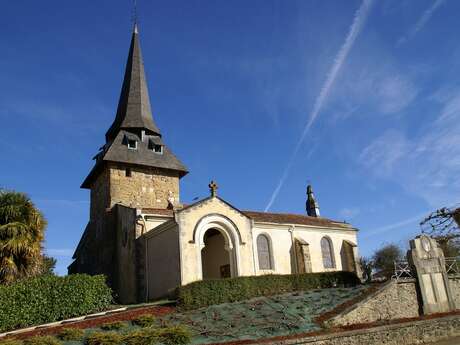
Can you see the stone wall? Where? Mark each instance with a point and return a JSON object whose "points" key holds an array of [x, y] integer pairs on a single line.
{"points": [[145, 188], [407, 333], [392, 301], [100, 196], [455, 288]]}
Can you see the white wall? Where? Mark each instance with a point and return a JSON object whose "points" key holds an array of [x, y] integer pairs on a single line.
{"points": [[281, 239]]}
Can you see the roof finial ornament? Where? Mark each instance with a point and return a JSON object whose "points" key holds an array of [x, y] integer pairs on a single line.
{"points": [[213, 188], [135, 17]]}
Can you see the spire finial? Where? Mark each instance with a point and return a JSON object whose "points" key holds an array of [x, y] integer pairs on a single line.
{"points": [[135, 17], [213, 188]]}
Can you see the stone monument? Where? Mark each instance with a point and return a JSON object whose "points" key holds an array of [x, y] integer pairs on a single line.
{"points": [[428, 260]]}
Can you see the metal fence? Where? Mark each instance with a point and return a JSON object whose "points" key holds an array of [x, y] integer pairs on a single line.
{"points": [[403, 270], [453, 265]]}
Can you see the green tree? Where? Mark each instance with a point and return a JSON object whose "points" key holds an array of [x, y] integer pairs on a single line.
{"points": [[48, 264], [22, 228], [384, 259]]}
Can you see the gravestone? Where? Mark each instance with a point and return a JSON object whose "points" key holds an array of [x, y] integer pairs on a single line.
{"points": [[428, 260]]}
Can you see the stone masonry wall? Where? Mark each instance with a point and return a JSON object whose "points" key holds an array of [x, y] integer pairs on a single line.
{"points": [[407, 333], [455, 288], [392, 301], [145, 188], [100, 196]]}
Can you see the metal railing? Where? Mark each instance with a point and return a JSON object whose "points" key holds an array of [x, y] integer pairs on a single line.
{"points": [[402, 270], [453, 265]]}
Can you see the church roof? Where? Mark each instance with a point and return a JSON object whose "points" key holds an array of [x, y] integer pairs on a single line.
{"points": [[133, 138], [134, 110], [268, 217], [299, 219]]}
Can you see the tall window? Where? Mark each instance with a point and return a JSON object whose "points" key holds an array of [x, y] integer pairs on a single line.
{"points": [[328, 253], [263, 252]]}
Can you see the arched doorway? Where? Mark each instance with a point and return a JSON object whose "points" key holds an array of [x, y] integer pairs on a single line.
{"points": [[215, 256]]}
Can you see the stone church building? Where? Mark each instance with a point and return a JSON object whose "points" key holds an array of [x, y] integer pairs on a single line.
{"points": [[147, 242]]}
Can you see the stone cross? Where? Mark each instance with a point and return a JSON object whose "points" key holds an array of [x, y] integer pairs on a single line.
{"points": [[213, 188]]}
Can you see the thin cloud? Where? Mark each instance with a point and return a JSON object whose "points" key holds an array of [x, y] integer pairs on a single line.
{"points": [[355, 28], [349, 213], [62, 252], [405, 222], [423, 20], [427, 164]]}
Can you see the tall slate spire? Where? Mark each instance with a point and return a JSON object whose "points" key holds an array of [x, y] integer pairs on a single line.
{"points": [[134, 110], [133, 139]]}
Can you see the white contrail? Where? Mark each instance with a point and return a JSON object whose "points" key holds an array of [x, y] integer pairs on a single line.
{"points": [[409, 221], [421, 22], [358, 22]]}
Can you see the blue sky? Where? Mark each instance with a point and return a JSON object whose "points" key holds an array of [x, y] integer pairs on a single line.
{"points": [[361, 99]]}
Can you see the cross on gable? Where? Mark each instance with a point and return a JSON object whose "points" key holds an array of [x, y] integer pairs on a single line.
{"points": [[213, 188]]}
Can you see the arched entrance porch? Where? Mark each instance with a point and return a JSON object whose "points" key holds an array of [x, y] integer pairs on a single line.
{"points": [[218, 242], [215, 257]]}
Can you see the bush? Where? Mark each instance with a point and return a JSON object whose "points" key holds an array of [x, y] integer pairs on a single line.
{"points": [[10, 342], [144, 321], [174, 335], [146, 336], [113, 326], [216, 291], [51, 298], [104, 338], [70, 334], [42, 340]]}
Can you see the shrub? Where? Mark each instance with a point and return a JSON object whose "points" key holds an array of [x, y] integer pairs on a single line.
{"points": [[174, 335], [104, 338], [144, 320], [216, 291], [42, 340], [51, 298], [145, 336], [10, 342], [113, 326], [70, 334]]}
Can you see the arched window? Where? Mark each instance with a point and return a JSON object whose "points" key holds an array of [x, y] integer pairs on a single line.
{"points": [[328, 253], [263, 252]]}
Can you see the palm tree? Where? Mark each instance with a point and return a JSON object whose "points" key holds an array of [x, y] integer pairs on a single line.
{"points": [[22, 229]]}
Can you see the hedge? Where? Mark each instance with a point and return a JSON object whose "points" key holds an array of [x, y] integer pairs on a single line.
{"points": [[215, 291], [51, 298]]}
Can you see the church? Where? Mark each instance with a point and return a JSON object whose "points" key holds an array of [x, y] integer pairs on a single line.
{"points": [[147, 242]]}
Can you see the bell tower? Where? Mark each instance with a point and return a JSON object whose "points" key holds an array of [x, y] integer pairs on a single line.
{"points": [[134, 167]]}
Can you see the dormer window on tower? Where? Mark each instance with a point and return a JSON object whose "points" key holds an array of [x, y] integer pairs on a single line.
{"points": [[132, 144], [156, 145], [130, 140]]}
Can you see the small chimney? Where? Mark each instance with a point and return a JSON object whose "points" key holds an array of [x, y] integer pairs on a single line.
{"points": [[312, 206]]}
